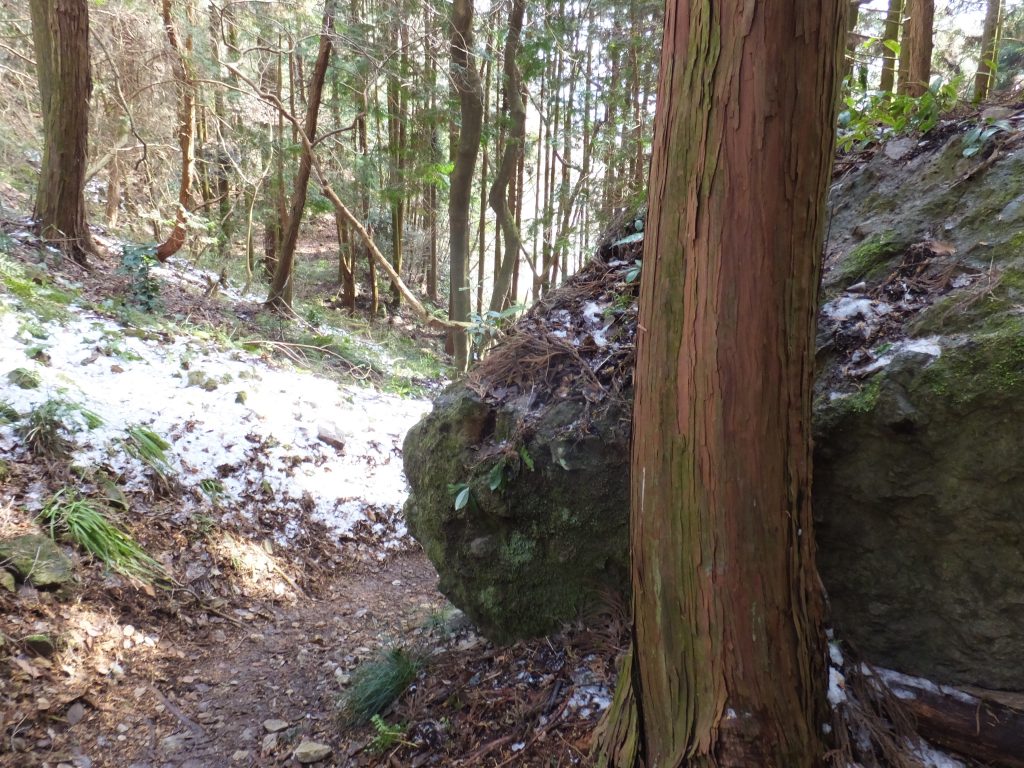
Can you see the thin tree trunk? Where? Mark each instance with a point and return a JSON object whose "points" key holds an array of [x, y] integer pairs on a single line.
{"points": [[989, 50], [728, 665], [467, 84], [280, 296], [891, 34], [186, 134], [60, 32]]}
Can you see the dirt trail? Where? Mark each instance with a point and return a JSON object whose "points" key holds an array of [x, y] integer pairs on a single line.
{"points": [[201, 696]]}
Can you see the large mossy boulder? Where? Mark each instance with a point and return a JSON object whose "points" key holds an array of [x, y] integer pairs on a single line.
{"points": [[919, 430], [37, 559]]}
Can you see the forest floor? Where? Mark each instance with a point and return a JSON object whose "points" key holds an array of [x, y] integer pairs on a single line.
{"points": [[274, 519]]}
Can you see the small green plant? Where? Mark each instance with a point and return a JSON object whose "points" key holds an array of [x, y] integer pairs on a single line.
{"points": [[634, 272], [23, 378], [496, 477], [149, 448], [7, 413], [137, 262], [487, 327], [376, 684], [386, 736], [871, 116], [45, 432], [978, 137], [213, 488], [85, 523], [462, 494]]}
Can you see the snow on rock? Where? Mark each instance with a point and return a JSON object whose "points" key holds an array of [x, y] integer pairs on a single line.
{"points": [[934, 758], [263, 435]]}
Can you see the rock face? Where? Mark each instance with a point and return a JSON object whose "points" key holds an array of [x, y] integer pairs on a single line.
{"points": [[919, 428]]}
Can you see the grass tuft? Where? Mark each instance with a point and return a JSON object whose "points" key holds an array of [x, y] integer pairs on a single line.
{"points": [[378, 683], [44, 431], [149, 448], [86, 524]]}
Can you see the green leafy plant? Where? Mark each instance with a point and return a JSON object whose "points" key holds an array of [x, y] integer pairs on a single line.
{"points": [[978, 137], [496, 477], [85, 523], [526, 457], [137, 262], [377, 683], [872, 116], [462, 494], [485, 328], [385, 736], [634, 272]]}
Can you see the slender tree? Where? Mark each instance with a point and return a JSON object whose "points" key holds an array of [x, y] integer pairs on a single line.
{"points": [[890, 36], [60, 33], [498, 198], [989, 50], [281, 286], [466, 79], [182, 68], [728, 660]]}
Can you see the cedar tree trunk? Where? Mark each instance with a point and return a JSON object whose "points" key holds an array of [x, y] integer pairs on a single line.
{"points": [[466, 79], [728, 661], [918, 41], [60, 32], [989, 51]]}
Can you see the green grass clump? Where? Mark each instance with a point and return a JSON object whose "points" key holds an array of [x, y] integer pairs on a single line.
{"points": [[378, 683], [23, 378], [45, 432], [85, 523], [7, 413], [149, 448]]}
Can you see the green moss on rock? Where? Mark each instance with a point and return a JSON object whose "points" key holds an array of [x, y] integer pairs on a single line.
{"points": [[870, 256]]}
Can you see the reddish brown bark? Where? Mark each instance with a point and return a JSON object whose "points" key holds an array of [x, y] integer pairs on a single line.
{"points": [[918, 44], [60, 32], [729, 661]]}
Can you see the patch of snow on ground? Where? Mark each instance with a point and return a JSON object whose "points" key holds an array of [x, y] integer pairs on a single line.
{"points": [[258, 430]]}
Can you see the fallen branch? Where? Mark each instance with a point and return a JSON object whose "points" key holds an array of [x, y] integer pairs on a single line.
{"points": [[980, 728]]}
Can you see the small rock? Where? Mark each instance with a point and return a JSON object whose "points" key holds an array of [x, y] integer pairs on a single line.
{"points": [[173, 743], [75, 713], [311, 752], [7, 581], [274, 725], [991, 114], [332, 434], [240, 756], [36, 558], [269, 744], [898, 148], [40, 644]]}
